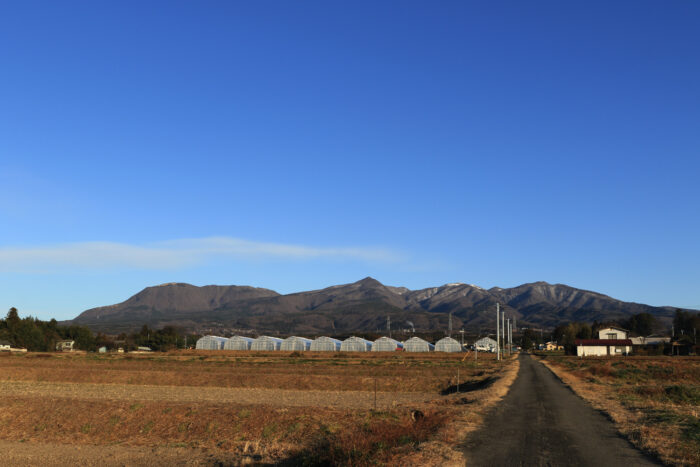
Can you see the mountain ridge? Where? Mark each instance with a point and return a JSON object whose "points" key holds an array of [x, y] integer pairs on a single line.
{"points": [[358, 306]]}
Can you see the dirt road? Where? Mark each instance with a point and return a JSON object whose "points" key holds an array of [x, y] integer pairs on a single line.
{"points": [[543, 423]]}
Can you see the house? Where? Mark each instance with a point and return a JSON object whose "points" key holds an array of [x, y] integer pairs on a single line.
{"points": [[5, 345], [549, 346], [65, 346], [612, 332], [603, 347], [612, 341], [485, 344]]}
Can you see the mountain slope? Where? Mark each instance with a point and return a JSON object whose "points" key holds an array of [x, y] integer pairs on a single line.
{"points": [[360, 306]]}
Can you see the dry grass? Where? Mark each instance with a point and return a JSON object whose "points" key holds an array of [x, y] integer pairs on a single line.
{"points": [[653, 400], [194, 401], [333, 372]]}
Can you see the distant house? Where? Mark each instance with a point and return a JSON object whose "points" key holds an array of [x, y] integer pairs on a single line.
{"points": [[603, 347], [612, 341], [485, 344], [549, 346], [5, 345], [65, 346]]}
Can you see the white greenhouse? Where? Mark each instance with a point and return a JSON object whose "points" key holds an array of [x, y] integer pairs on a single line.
{"points": [[447, 344], [238, 343], [356, 344], [325, 344], [266, 343], [211, 343], [296, 343], [416, 344], [386, 344]]}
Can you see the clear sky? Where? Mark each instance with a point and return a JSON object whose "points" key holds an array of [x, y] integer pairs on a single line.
{"points": [[297, 145]]}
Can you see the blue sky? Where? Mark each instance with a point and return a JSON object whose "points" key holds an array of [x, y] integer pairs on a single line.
{"points": [[296, 145]]}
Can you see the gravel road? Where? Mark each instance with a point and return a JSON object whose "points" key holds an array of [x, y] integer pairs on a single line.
{"points": [[541, 422]]}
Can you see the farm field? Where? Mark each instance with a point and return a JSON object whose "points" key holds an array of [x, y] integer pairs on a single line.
{"points": [[654, 401], [203, 408]]}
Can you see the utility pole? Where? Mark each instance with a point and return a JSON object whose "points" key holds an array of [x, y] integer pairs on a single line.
{"points": [[449, 332], [388, 325], [461, 331], [503, 330], [498, 331], [508, 334]]}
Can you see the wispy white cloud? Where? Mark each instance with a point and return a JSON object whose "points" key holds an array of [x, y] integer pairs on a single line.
{"points": [[172, 254]]}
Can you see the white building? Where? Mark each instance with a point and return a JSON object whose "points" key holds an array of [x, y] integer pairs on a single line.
{"points": [[65, 346], [612, 332], [486, 344], [612, 341]]}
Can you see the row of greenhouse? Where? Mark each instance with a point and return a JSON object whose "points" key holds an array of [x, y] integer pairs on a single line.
{"points": [[327, 344]]}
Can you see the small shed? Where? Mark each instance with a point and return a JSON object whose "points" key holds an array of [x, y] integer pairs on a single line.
{"points": [[485, 344], [356, 344], [238, 343], [325, 344], [386, 344], [447, 344], [211, 343], [5, 345], [416, 344], [266, 343], [295, 343]]}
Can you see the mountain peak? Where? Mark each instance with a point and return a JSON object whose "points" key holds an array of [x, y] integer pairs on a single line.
{"points": [[369, 282]]}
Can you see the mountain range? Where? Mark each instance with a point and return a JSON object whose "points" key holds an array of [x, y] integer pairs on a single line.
{"points": [[362, 306]]}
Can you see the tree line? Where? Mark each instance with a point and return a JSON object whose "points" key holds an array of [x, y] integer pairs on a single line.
{"points": [[36, 335]]}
